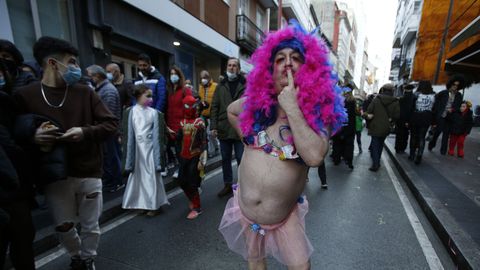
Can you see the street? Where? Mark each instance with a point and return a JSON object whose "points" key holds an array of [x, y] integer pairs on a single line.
{"points": [[360, 222]]}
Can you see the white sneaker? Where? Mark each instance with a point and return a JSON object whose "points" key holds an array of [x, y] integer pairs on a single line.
{"points": [[175, 174]]}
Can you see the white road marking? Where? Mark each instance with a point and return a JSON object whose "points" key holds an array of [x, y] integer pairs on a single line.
{"points": [[427, 248], [112, 225]]}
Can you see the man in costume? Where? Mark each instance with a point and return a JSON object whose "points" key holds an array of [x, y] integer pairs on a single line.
{"points": [[290, 107]]}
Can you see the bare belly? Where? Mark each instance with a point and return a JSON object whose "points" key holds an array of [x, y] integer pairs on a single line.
{"points": [[269, 187]]}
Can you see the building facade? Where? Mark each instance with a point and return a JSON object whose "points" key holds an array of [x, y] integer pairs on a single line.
{"points": [[405, 40]]}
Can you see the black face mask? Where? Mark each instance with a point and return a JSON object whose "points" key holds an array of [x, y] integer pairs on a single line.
{"points": [[11, 67]]}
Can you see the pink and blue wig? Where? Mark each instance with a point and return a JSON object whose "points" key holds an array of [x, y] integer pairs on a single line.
{"points": [[319, 97]]}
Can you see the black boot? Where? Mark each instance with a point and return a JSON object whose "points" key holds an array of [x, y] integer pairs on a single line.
{"points": [[418, 159], [227, 189], [411, 155]]}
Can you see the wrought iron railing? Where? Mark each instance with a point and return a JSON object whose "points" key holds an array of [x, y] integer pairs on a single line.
{"points": [[249, 36]]}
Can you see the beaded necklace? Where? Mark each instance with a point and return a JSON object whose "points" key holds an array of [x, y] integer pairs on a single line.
{"points": [[261, 141]]}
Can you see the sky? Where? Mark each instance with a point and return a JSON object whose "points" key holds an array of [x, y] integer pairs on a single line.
{"points": [[377, 18]]}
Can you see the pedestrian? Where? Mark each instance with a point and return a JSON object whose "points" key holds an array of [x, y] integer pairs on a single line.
{"points": [[421, 119], [285, 133], [359, 124], [381, 112], [86, 122], [230, 89], [149, 75], [112, 173], [124, 86], [177, 91], [447, 102], [143, 139], [192, 140], [344, 140], [206, 93], [16, 190], [402, 129], [13, 60], [462, 125]]}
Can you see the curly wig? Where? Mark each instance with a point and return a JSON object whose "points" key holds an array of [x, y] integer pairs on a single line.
{"points": [[319, 97]]}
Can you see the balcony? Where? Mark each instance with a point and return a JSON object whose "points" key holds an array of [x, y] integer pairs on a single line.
{"points": [[249, 36], [409, 31]]}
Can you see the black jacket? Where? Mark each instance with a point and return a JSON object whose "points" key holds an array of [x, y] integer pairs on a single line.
{"points": [[441, 100], [407, 105], [48, 166], [15, 177], [462, 122], [348, 128]]}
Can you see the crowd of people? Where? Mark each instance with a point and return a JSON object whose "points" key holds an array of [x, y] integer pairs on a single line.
{"points": [[73, 135]]}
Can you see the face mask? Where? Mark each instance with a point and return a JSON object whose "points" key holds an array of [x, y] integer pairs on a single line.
{"points": [[2, 82], [231, 76], [72, 75], [174, 78], [204, 81], [148, 102], [110, 76]]}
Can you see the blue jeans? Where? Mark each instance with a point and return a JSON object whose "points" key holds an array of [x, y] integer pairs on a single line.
{"points": [[226, 148], [112, 173], [377, 148]]}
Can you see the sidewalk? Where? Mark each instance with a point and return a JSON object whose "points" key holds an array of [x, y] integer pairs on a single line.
{"points": [[45, 238], [448, 190]]}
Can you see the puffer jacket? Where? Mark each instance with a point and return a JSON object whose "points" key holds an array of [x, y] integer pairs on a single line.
{"points": [[48, 166]]}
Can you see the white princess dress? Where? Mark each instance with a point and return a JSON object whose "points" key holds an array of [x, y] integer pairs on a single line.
{"points": [[145, 189]]}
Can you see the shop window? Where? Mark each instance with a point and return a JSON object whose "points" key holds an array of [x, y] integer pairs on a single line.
{"points": [[54, 19], [22, 26]]}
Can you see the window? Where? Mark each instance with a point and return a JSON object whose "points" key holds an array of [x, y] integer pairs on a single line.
{"points": [[243, 7], [54, 19], [32, 19], [22, 26]]}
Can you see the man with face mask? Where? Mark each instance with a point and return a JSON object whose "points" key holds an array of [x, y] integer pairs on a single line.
{"points": [[80, 122], [147, 74], [124, 87], [112, 174], [229, 89], [13, 60], [206, 93]]}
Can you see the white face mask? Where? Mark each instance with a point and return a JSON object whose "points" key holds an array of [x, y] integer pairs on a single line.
{"points": [[231, 76], [204, 81]]}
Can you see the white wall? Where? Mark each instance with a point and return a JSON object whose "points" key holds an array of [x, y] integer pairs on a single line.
{"points": [[472, 93]]}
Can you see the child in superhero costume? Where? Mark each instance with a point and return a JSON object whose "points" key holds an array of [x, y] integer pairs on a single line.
{"points": [[192, 138]]}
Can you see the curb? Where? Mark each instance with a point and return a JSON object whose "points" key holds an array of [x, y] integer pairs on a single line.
{"points": [[460, 246], [111, 209]]}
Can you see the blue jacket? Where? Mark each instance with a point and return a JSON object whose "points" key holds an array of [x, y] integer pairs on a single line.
{"points": [[155, 81], [110, 97]]}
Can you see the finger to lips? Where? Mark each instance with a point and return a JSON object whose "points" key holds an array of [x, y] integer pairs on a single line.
{"points": [[290, 77]]}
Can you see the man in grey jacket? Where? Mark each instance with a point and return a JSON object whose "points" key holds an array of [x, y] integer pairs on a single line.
{"points": [[112, 174], [228, 90]]}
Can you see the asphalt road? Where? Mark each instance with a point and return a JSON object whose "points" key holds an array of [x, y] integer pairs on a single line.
{"points": [[360, 222]]}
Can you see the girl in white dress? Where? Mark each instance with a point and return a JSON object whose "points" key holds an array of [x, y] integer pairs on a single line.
{"points": [[143, 138]]}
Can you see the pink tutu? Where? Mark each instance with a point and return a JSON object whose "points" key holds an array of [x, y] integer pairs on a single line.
{"points": [[286, 241]]}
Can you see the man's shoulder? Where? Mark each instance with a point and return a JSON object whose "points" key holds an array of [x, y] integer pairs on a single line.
{"points": [[27, 90]]}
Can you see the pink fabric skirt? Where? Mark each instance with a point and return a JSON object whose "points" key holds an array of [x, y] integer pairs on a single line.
{"points": [[286, 241]]}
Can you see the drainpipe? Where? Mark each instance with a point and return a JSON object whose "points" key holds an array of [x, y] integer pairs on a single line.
{"points": [[442, 46], [279, 19]]}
